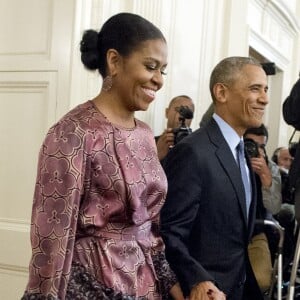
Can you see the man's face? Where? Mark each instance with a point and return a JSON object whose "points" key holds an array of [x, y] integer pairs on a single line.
{"points": [[260, 140], [245, 99], [173, 115], [285, 159]]}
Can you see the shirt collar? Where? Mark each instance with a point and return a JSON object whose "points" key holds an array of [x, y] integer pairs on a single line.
{"points": [[230, 135]]}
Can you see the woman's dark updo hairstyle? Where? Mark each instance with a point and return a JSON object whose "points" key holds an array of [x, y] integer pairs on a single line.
{"points": [[123, 32]]}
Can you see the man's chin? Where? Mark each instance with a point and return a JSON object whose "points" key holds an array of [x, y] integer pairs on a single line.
{"points": [[255, 123]]}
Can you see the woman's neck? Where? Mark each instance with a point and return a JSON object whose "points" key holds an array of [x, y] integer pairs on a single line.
{"points": [[114, 111]]}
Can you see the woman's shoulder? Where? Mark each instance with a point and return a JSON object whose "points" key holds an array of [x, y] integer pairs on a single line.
{"points": [[143, 126], [81, 113], [76, 129], [80, 118]]}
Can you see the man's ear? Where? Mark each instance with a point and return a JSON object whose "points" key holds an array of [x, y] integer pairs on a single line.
{"points": [[113, 59], [166, 112], [220, 91]]}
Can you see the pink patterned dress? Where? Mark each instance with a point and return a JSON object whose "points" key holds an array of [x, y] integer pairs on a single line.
{"points": [[95, 214]]}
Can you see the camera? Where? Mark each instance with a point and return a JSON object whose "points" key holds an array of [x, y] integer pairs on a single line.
{"points": [[182, 131], [251, 148]]}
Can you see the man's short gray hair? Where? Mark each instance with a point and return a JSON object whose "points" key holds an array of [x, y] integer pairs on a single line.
{"points": [[227, 70]]}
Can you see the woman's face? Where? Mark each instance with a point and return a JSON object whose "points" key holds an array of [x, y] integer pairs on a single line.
{"points": [[140, 75]]}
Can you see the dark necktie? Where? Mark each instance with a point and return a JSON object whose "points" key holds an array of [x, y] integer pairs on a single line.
{"points": [[242, 166]]}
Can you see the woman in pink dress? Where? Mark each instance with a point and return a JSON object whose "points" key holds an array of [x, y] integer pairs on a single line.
{"points": [[100, 186]]}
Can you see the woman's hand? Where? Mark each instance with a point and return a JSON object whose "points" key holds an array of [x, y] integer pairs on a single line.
{"points": [[206, 291], [176, 292]]}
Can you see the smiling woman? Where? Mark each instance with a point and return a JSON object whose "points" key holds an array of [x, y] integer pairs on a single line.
{"points": [[100, 185], [137, 77]]}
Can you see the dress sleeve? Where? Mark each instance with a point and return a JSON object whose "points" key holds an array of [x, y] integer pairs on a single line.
{"points": [[59, 185], [165, 275]]}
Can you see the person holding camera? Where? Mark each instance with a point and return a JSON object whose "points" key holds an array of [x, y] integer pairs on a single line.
{"points": [[263, 246], [179, 115], [267, 171], [209, 214]]}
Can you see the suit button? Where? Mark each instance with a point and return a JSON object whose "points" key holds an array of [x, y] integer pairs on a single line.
{"points": [[240, 284]]}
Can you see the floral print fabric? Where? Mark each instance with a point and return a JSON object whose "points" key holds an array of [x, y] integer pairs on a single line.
{"points": [[98, 194]]}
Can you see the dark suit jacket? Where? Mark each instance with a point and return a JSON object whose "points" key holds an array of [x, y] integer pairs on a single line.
{"points": [[290, 108], [204, 222], [291, 114]]}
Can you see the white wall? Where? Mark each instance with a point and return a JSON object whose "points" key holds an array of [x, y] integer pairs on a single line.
{"points": [[41, 77], [274, 33], [35, 59], [199, 35]]}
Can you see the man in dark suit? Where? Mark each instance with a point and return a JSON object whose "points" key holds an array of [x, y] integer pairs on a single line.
{"points": [[206, 222]]}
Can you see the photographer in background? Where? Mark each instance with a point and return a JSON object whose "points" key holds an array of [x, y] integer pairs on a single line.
{"points": [[286, 215], [267, 171], [283, 158], [262, 247], [179, 116]]}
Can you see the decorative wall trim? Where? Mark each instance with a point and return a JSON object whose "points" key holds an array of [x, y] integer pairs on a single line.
{"points": [[13, 269], [14, 225], [34, 82], [281, 12], [286, 13], [260, 44], [41, 53]]}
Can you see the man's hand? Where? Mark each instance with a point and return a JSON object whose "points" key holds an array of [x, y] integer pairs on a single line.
{"points": [[164, 143], [206, 291], [261, 168]]}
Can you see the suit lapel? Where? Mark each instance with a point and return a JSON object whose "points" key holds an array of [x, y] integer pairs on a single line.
{"points": [[229, 164]]}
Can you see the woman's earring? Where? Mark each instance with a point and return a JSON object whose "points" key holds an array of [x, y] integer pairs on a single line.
{"points": [[107, 83]]}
